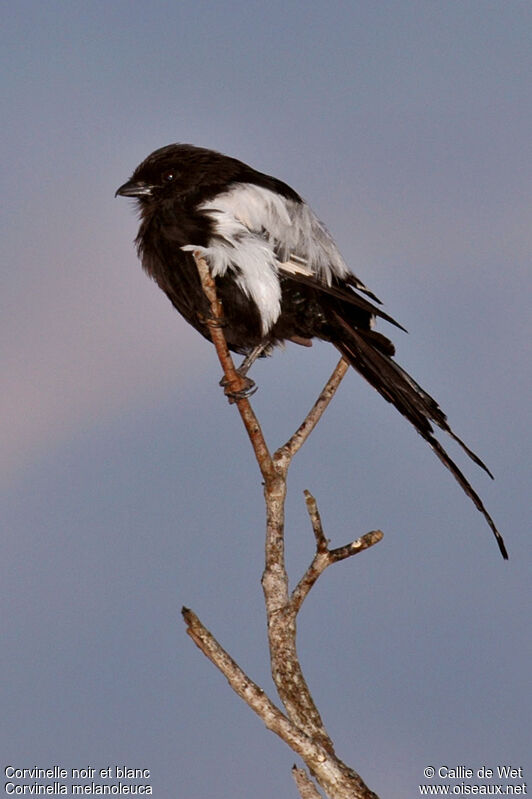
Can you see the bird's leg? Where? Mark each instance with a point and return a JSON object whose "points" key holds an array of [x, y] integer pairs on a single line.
{"points": [[251, 357], [249, 387]]}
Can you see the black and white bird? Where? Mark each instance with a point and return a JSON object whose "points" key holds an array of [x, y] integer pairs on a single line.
{"points": [[278, 273]]}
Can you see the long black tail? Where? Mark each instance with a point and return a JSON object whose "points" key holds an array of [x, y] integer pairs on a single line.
{"points": [[369, 353]]}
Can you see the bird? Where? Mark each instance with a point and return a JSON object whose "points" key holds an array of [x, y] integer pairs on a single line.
{"points": [[278, 273]]}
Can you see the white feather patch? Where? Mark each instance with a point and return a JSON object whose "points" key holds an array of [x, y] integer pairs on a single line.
{"points": [[290, 227], [252, 262], [258, 232]]}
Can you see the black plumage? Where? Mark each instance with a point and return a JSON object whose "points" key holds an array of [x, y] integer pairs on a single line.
{"points": [[278, 274]]}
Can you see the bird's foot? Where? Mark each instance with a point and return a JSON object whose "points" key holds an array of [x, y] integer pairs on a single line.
{"points": [[248, 388], [211, 321]]}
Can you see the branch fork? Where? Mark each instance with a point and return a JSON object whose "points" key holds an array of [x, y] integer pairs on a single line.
{"points": [[300, 726]]}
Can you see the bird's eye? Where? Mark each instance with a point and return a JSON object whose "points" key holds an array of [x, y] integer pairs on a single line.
{"points": [[168, 175]]}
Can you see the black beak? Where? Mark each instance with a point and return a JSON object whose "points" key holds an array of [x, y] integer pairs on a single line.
{"points": [[134, 188]]}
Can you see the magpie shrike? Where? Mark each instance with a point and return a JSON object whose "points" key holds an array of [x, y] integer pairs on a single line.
{"points": [[278, 274]]}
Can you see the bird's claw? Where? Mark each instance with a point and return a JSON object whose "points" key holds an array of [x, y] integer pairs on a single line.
{"points": [[211, 321], [248, 389]]}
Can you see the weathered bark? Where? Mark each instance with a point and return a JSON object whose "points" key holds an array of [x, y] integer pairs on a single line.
{"points": [[301, 726]]}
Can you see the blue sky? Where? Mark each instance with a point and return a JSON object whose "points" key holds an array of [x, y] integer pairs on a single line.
{"points": [[128, 485]]}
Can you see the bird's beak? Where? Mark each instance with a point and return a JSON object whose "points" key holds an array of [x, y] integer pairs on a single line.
{"points": [[135, 188]]}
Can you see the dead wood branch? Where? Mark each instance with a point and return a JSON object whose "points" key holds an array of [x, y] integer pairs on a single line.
{"points": [[316, 412], [324, 556], [234, 381], [305, 786], [337, 779], [302, 727]]}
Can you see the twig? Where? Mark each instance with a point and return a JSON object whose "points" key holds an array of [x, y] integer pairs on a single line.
{"points": [[234, 380], [315, 519], [246, 689], [285, 453], [305, 786], [324, 556]]}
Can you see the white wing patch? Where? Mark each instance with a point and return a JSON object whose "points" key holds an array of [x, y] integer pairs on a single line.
{"points": [[250, 258], [258, 232], [290, 227]]}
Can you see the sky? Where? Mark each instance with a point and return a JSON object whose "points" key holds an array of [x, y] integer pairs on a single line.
{"points": [[128, 485]]}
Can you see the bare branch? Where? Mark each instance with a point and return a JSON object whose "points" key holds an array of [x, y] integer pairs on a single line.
{"points": [[322, 560], [295, 443], [302, 727], [305, 786], [246, 689], [324, 556], [286, 670], [364, 542], [285, 666], [337, 779], [312, 508], [235, 381]]}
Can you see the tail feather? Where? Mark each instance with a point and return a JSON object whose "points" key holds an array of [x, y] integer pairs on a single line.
{"points": [[397, 387]]}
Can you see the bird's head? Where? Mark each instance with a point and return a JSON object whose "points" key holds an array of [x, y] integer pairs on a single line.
{"points": [[178, 170]]}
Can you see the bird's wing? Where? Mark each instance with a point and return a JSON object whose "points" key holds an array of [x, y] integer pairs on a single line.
{"points": [[340, 290], [289, 226], [253, 224]]}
